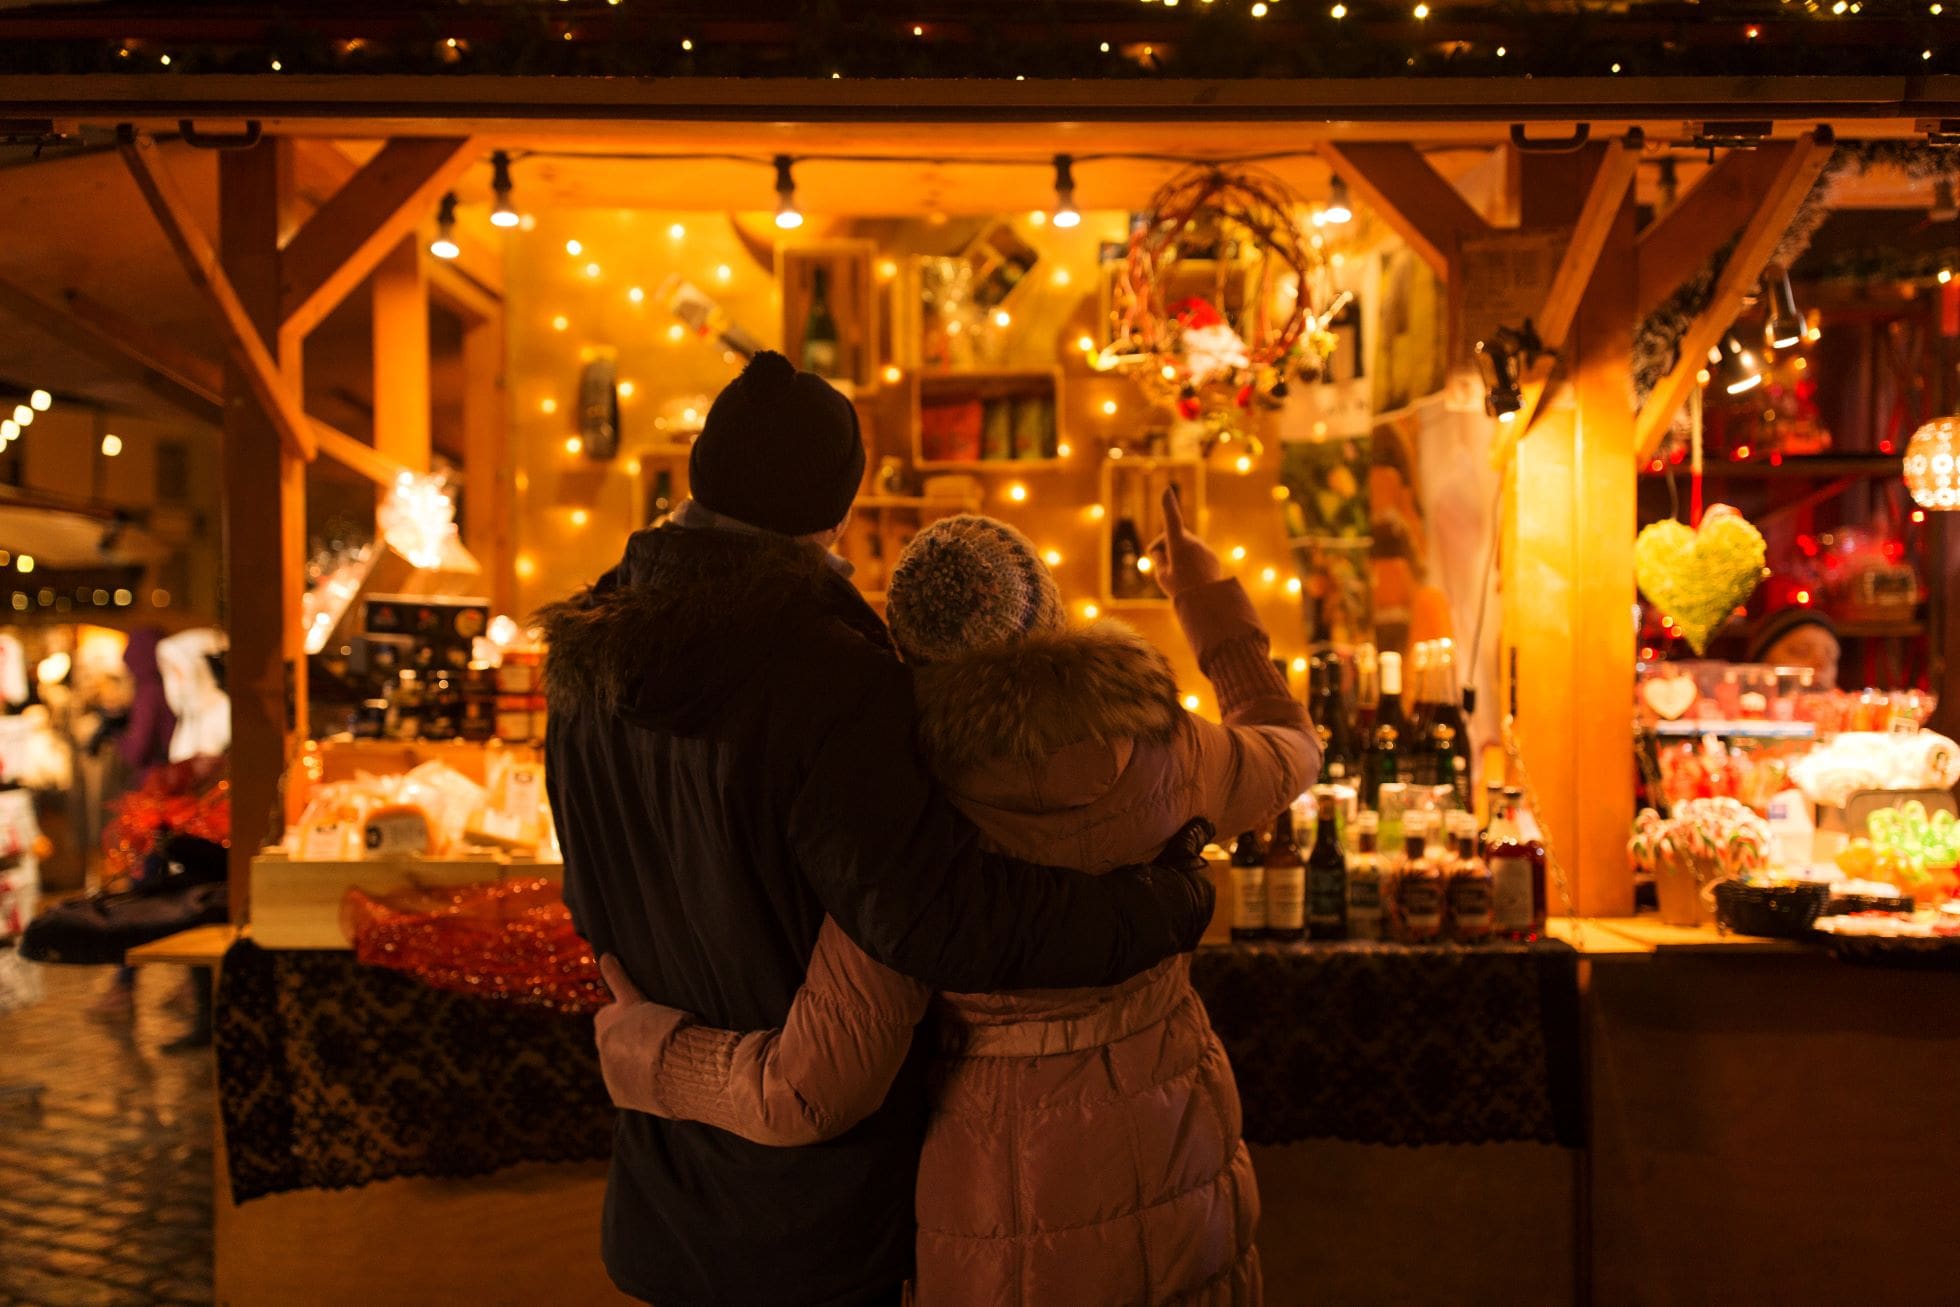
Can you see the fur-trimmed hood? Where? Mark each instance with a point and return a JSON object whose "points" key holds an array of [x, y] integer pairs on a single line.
{"points": [[1049, 721], [683, 618]]}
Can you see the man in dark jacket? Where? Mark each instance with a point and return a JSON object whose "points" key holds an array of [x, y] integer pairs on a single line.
{"points": [[730, 757]]}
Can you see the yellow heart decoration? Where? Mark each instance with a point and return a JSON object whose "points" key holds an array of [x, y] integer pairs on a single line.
{"points": [[1698, 578]]}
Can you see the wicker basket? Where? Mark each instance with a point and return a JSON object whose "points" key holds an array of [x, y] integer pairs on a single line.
{"points": [[1850, 905], [1777, 911]]}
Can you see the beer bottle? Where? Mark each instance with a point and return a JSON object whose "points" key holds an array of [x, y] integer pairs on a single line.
{"points": [[1286, 883], [1248, 889], [1326, 872]]}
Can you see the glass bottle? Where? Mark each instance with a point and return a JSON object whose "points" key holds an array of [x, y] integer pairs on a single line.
{"points": [[1248, 889], [820, 349], [1449, 731], [1340, 758], [1367, 693], [1417, 767], [1469, 893], [1384, 763], [1326, 871], [1419, 886], [1517, 873], [1364, 881], [1286, 883]]}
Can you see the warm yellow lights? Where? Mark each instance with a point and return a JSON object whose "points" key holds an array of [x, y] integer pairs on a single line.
{"points": [[560, 322], [676, 332], [40, 401], [723, 272], [1191, 702], [111, 446], [1062, 450], [1946, 275], [1061, 277], [1052, 557], [676, 231], [1293, 585], [1338, 11], [573, 445], [1299, 665], [635, 294], [1238, 553], [1091, 612], [574, 249], [159, 599], [687, 43], [626, 389], [1144, 564], [892, 374], [1002, 317], [1170, 373], [1037, 218], [1097, 512], [527, 566], [547, 406], [591, 269], [887, 269], [1243, 464], [632, 467], [24, 562], [1269, 575], [580, 517], [1109, 408], [1018, 492], [1086, 344], [124, 598], [1421, 12], [1282, 493]]}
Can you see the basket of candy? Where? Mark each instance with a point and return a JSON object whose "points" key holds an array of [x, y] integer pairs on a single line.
{"points": [[1919, 941], [1776, 909], [1705, 842], [1906, 847]]}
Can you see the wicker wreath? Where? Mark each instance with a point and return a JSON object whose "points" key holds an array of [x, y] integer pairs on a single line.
{"points": [[1244, 226]]}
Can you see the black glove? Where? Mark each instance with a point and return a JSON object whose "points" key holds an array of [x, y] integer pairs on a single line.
{"points": [[1182, 862]]}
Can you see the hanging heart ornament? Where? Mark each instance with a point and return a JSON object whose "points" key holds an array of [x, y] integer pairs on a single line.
{"points": [[1698, 577]]}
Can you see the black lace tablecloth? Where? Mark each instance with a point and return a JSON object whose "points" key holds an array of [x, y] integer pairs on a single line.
{"points": [[332, 1074], [1388, 1044]]}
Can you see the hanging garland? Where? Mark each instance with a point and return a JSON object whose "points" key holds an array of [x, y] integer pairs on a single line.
{"points": [[1216, 304], [1657, 339]]}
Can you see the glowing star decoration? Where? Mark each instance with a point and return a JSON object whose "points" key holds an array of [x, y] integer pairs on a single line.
{"points": [[418, 518], [1697, 578]]}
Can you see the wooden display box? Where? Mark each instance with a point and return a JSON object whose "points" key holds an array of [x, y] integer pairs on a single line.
{"points": [[1006, 420], [1131, 487], [881, 525], [296, 904], [324, 761], [853, 296]]}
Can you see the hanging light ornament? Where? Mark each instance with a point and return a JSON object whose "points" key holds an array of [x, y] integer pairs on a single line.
{"points": [[1932, 472], [503, 213], [1785, 327], [1735, 367], [1339, 210], [1065, 215], [444, 246], [788, 216]]}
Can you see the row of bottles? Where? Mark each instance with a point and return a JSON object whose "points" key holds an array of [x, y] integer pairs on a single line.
{"points": [[1447, 880], [1372, 738]]}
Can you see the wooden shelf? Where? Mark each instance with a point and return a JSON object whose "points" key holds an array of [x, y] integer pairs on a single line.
{"points": [[1881, 630], [1819, 467], [1741, 730], [993, 465], [916, 501]]}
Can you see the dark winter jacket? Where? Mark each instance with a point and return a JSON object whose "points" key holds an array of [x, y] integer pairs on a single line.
{"points": [[731, 756]]}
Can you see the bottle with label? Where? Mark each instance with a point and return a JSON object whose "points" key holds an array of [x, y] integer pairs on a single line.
{"points": [[1125, 549], [1416, 765], [1286, 883], [1248, 889], [405, 706], [1419, 886], [820, 348], [1469, 894], [1384, 763], [1367, 694], [1364, 880], [1517, 873], [1340, 756], [1326, 871], [1493, 814], [1448, 734]]}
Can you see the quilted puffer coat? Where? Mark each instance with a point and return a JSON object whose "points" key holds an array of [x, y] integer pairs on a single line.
{"points": [[1084, 1145]]}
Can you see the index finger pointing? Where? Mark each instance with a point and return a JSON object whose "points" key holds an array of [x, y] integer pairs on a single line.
{"points": [[621, 984], [1173, 514]]}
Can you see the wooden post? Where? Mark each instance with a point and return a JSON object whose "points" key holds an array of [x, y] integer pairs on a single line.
{"points": [[1568, 578], [488, 504], [401, 355], [265, 520]]}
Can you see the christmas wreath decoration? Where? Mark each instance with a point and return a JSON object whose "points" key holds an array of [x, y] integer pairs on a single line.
{"points": [[1216, 304]]}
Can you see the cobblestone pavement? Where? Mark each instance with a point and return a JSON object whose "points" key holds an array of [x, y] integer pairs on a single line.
{"points": [[105, 1188]]}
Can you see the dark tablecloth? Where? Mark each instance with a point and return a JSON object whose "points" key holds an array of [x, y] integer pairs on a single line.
{"points": [[332, 1074]]}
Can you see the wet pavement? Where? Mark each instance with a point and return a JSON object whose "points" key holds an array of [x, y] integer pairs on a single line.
{"points": [[105, 1174]]}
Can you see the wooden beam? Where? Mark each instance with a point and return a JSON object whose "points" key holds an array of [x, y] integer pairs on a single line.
{"points": [[378, 207], [488, 512], [197, 396], [456, 290], [1412, 197], [242, 339], [1675, 245], [356, 455], [192, 370], [1598, 215], [400, 353], [1776, 206]]}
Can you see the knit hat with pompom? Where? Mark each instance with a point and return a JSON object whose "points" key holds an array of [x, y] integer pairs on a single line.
{"points": [[968, 583]]}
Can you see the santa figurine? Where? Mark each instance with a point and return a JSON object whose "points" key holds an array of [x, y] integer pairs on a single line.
{"points": [[1211, 347]]}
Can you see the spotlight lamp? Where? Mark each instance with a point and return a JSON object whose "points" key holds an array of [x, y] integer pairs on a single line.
{"points": [[444, 246], [1066, 215], [1339, 209], [1737, 369], [788, 216], [1502, 358], [1785, 327], [502, 213]]}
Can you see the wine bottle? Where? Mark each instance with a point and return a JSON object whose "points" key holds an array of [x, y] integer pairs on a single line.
{"points": [[1364, 880], [1248, 889], [1286, 883], [820, 349], [1517, 873], [1448, 732], [1385, 764], [1327, 886]]}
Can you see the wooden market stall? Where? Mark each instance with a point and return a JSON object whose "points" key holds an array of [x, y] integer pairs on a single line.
{"points": [[1685, 1064]]}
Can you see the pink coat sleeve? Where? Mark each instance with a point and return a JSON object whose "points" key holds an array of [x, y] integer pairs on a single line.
{"points": [[1265, 754], [827, 1068]]}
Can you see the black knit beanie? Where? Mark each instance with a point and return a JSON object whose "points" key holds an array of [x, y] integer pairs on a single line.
{"points": [[780, 450]]}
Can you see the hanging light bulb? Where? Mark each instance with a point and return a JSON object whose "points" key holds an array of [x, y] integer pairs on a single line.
{"points": [[1931, 466], [788, 216], [503, 213], [444, 246], [39, 401], [1735, 367], [23, 415], [1066, 215], [1338, 209], [1785, 327]]}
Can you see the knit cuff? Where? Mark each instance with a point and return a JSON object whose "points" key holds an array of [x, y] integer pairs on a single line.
{"points": [[692, 1077], [1214, 614]]}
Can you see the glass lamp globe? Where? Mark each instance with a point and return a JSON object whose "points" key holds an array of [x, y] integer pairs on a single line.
{"points": [[1933, 464]]}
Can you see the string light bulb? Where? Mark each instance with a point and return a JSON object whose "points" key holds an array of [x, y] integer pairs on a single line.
{"points": [[788, 216], [112, 445], [9, 431], [502, 213], [1339, 209], [444, 246], [1066, 214], [40, 401], [1191, 702], [23, 415], [1018, 492]]}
